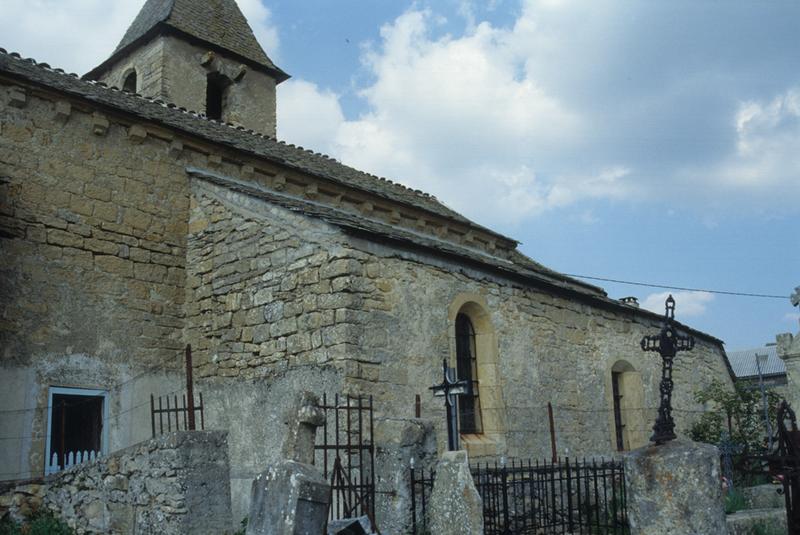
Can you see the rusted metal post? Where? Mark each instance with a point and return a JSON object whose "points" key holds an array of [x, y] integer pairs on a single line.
{"points": [[417, 407], [552, 432], [190, 387]]}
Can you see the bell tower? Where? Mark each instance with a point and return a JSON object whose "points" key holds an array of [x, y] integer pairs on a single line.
{"points": [[197, 54]]}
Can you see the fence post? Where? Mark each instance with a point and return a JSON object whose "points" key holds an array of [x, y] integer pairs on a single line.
{"points": [[153, 414], [504, 479], [190, 387], [569, 497]]}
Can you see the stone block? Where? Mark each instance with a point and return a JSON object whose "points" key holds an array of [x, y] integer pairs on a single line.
{"points": [[763, 497], [289, 498], [455, 505], [675, 489], [753, 521]]}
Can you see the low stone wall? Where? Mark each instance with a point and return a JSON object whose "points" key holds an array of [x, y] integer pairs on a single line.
{"points": [[174, 484]]}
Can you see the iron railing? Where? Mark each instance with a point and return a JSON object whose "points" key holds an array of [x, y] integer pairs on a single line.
{"points": [[346, 455], [173, 416], [532, 497]]}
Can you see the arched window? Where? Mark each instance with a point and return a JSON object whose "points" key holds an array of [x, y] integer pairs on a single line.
{"points": [[216, 93], [467, 370], [129, 84], [627, 404], [619, 427]]}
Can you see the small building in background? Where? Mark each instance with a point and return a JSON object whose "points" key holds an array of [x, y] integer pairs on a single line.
{"points": [[746, 363]]}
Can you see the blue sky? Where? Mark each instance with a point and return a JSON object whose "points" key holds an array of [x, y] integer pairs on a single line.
{"points": [[656, 142]]}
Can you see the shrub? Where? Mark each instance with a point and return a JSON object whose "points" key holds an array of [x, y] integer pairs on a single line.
{"points": [[734, 501], [42, 523], [740, 408]]}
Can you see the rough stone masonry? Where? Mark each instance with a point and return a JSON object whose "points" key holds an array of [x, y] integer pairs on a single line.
{"points": [[175, 484]]}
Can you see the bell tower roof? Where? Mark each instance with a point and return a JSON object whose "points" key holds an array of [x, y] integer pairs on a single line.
{"points": [[216, 24]]}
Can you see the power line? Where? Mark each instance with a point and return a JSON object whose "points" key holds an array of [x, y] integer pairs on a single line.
{"points": [[664, 286]]}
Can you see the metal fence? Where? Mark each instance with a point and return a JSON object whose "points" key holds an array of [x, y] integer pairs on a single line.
{"points": [[173, 415], [346, 454], [568, 497]]}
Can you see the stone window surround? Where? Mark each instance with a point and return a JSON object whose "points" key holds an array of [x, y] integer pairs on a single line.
{"points": [[634, 433], [130, 71], [491, 405], [71, 391]]}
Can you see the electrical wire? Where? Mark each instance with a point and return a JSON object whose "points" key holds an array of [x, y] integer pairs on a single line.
{"points": [[680, 288]]}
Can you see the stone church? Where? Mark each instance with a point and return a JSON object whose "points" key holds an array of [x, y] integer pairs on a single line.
{"points": [[148, 205]]}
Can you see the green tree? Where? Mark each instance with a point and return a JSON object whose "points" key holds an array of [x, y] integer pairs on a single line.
{"points": [[739, 411]]}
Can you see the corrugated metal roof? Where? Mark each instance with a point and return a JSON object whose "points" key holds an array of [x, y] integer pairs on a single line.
{"points": [[744, 364]]}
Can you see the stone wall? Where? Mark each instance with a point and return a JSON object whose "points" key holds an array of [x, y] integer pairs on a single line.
{"points": [[275, 294], [93, 223], [546, 348], [174, 484], [172, 69], [276, 290]]}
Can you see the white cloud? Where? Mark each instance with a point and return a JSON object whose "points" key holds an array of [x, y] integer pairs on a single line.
{"points": [[766, 159], [792, 317], [460, 118], [77, 35], [308, 115], [687, 304], [74, 35]]}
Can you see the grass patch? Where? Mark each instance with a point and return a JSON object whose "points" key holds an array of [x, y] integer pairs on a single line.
{"points": [[734, 501]]}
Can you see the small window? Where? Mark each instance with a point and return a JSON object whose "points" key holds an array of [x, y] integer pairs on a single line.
{"points": [[618, 425], [216, 93], [129, 84], [467, 370], [75, 423]]}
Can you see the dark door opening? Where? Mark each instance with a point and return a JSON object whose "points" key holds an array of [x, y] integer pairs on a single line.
{"points": [[76, 425]]}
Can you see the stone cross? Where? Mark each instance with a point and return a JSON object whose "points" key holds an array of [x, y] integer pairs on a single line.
{"points": [[450, 389], [667, 343], [304, 418]]}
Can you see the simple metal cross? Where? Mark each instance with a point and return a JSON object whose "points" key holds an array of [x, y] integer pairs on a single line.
{"points": [[728, 448], [450, 389], [667, 343]]}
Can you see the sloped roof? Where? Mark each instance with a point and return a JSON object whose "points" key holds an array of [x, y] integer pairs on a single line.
{"points": [[744, 364], [259, 145], [218, 23]]}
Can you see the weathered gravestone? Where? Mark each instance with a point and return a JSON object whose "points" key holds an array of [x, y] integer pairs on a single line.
{"points": [[455, 505], [675, 489], [291, 497]]}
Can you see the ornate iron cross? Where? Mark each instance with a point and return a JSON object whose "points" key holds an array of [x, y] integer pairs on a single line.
{"points": [[667, 343], [450, 389]]}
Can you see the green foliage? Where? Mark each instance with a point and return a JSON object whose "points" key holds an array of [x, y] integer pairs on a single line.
{"points": [[742, 407], [768, 529], [734, 501], [43, 523]]}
